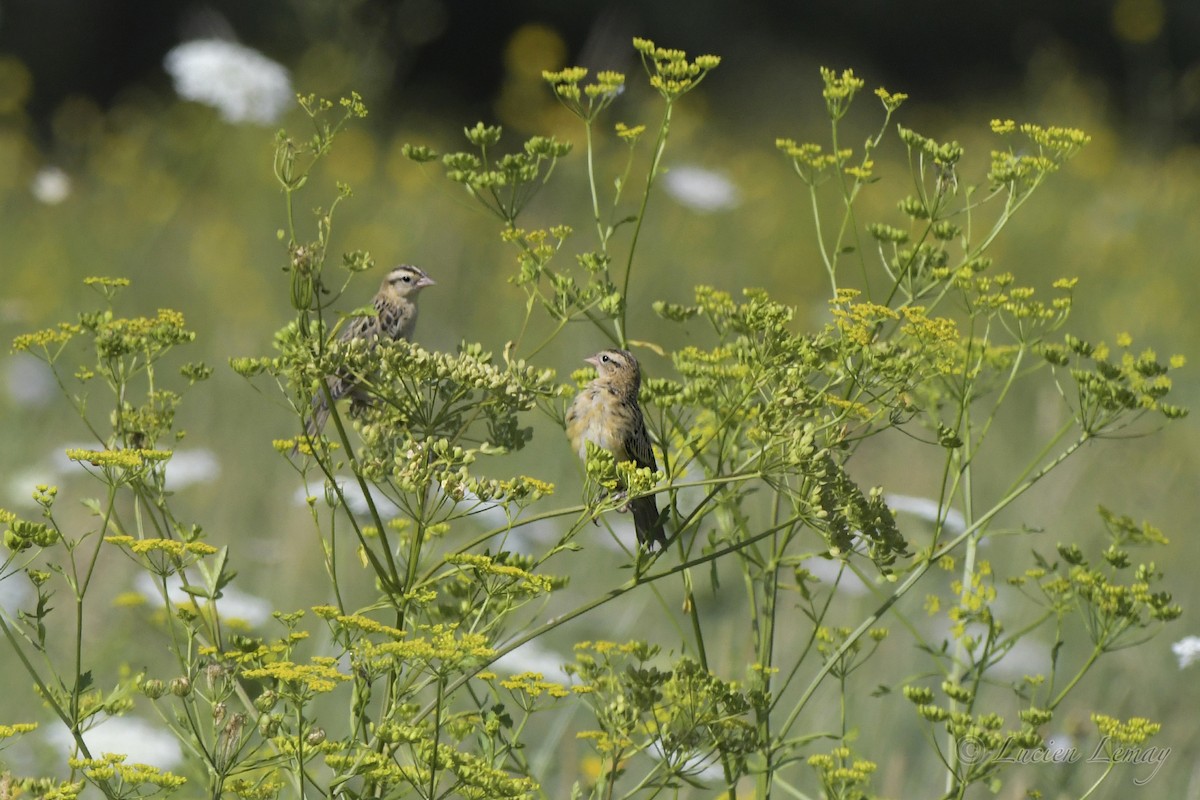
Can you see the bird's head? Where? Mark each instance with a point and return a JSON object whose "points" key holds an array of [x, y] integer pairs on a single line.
{"points": [[406, 280], [616, 365]]}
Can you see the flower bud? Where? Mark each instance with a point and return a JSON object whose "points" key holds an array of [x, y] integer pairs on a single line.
{"points": [[268, 725], [266, 701], [154, 688], [14, 542], [214, 674]]}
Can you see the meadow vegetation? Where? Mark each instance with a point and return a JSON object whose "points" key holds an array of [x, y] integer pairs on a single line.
{"points": [[866, 593]]}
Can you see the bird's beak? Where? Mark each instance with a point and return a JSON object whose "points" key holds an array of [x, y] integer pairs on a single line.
{"points": [[594, 361], [424, 281]]}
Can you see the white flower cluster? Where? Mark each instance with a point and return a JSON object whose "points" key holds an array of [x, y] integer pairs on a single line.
{"points": [[50, 186], [242, 84], [1187, 650], [701, 189]]}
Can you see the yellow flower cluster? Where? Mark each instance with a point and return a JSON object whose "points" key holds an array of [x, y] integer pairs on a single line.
{"points": [[810, 161], [112, 766], [486, 565], [534, 685], [599, 94], [44, 338], [112, 283], [171, 547], [318, 677], [1134, 732], [670, 71], [8, 731], [891, 101], [441, 645], [840, 88], [358, 622], [604, 743], [119, 459], [628, 134], [839, 772], [974, 603]]}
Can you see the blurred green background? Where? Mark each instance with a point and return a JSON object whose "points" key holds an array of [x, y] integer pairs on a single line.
{"points": [[105, 170]]}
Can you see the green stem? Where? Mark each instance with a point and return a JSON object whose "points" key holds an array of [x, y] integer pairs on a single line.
{"points": [[659, 147], [961, 653], [43, 690], [916, 575], [601, 600], [1096, 652], [1111, 763], [300, 749], [591, 172], [80, 591], [437, 730], [390, 576]]}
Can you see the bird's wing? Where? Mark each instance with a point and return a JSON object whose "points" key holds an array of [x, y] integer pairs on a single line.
{"points": [[358, 328], [637, 441]]}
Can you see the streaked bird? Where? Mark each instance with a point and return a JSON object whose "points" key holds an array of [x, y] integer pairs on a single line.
{"points": [[606, 413], [395, 318]]}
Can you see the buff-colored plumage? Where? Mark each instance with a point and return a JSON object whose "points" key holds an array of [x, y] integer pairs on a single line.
{"points": [[606, 413], [395, 318]]}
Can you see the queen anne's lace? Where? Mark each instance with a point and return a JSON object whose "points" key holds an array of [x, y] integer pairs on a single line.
{"points": [[242, 84]]}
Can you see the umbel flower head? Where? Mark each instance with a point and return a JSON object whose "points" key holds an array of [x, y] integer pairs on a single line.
{"points": [[242, 84]]}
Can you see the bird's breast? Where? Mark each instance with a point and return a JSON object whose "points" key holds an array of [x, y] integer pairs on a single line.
{"points": [[592, 419], [396, 319]]}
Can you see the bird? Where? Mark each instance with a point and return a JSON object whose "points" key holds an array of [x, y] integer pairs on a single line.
{"points": [[606, 413], [395, 318]]}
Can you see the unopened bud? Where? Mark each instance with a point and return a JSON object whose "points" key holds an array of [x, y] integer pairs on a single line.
{"points": [[268, 725], [266, 701], [215, 675], [154, 688]]}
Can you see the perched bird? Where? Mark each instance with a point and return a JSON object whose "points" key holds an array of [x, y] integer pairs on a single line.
{"points": [[395, 318], [607, 414]]}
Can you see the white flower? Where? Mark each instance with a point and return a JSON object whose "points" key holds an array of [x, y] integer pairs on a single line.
{"points": [[183, 469], [527, 539], [1187, 650], [242, 84], [27, 382], [191, 466], [14, 595], [1060, 749], [701, 189], [19, 488], [355, 500], [926, 509], [63, 466], [234, 603], [700, 766], [50, 186], [143, 742]]}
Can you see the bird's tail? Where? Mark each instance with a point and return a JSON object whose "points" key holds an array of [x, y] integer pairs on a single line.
{"points": [[648, 523]]}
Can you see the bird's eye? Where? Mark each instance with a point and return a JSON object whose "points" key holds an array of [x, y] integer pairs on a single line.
{"points": [[406, 278], [605, 359]]}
